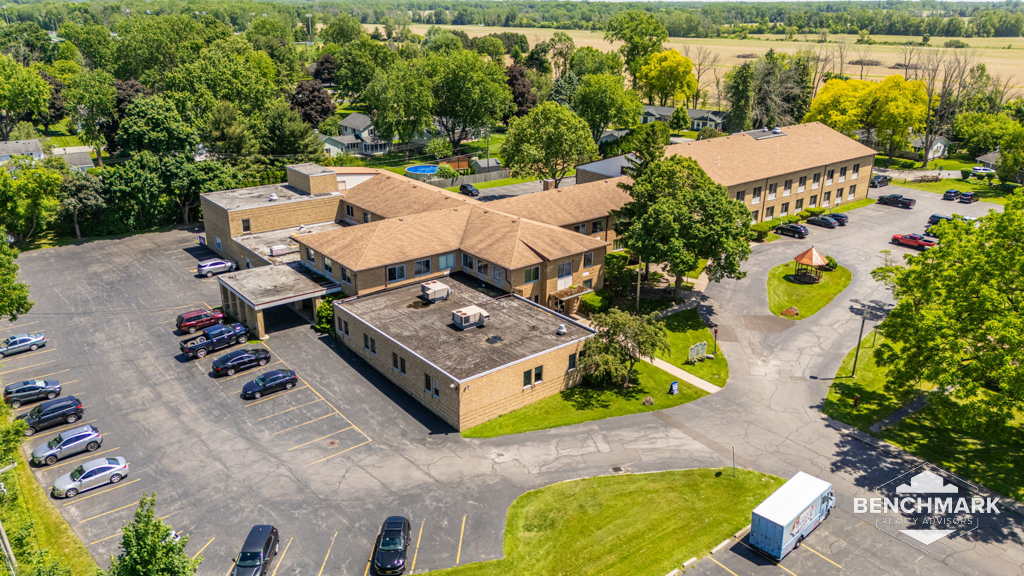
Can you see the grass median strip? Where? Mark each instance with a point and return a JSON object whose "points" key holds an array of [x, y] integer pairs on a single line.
{"points": [[785, 292], [686, 328]]}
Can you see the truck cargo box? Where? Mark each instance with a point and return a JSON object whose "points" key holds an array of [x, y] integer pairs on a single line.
{"points": [[779, 523]]}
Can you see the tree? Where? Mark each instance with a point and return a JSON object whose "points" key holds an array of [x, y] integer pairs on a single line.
{"points": [[537, 59], [490, 46], [680, 119], [30, 202], [81, 193], [127, 92], [313, 103], [589, 60], [548, 143], [439, 148], [326, 69], [562, 49], [55, 110], [838, 105], [469, 93], [956, 323], [14, 300], [22, 92], [287, 135], [621, 341], [342, 30], [401, 101], [646, 148], [1011, 156], [641, 35], [147, 548], [781, 90], [894, 109], [147, 48], [93, 41], [91, 97], [667, 75], [739, 92], [154, 124], [603, 100], [228, 132], [228, 70], [704, 61], [565, 89], [359, 61], [708, 132], [523, 96], [440, 41], [980, 132]]}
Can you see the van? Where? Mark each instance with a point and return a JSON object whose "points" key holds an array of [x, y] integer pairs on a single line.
{"points": [[782, 521], [259, 549]]}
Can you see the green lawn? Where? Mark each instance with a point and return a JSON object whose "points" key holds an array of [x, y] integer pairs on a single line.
{"points": [[48, 239], [897, 163], [808, 298], [638, 524], [995, 194], [685, 329], [60, 138], [852, 206], [954, 162], [584, 403], [648, 304]]}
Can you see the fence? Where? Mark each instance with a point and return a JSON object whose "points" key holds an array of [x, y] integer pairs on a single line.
{"points": [[471, 179]]}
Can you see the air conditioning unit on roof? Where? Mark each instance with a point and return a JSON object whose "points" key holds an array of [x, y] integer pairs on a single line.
{"points": [[432, 291], [469, 316]]}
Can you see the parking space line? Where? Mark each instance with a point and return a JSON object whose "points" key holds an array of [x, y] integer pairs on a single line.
{"points": [[339, 453], [27, 367], [29, 355], [458, 555], [320, 438], [820, 554], [50, 374], [278, 395], [68, 427], [93, 455], [287, 410], [116, 534], [723, 566], [29, 324], [109, 512], [304, 423], [416, 552], [322, 566], [247, 373], [196, 555], [765, 557], [66, 383], [103, 492], [317, 392], [281, 559]]}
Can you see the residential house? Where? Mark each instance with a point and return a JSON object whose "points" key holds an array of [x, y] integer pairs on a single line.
{"points": [[656, 114], [700, 118], [361, 127], [20, 148], [939, 148]]}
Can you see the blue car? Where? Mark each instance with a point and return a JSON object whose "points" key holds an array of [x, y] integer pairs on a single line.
{"points": [[823, 221]]}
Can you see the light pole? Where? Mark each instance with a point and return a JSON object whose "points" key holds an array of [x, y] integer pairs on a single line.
{"points": [[309, 26], [856, 355], [197, 15]]}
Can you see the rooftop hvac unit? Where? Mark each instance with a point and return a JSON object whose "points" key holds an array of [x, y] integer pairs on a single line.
{"points": [[281, 250], [469, 316], [432, 291]]}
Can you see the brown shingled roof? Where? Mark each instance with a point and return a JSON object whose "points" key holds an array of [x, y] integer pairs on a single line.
{"points": [[810, 257], [569, 205], [389, 195]]}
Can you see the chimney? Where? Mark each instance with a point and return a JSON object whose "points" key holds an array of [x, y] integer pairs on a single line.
{"points": [[549, 184]]}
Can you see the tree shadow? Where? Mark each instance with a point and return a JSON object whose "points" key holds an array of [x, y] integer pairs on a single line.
{"points": [[591, 394], [870, 310]]}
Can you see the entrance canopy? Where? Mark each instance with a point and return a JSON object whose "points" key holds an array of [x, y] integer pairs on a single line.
{"points": [[245, 294]]}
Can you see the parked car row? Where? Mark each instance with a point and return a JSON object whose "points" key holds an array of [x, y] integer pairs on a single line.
{"points": [[825, 221], [962, 197]]}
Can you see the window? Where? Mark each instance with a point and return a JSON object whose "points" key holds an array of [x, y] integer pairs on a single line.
{"points": [[349, 211], [801, 184], [396, 273], [437, 388], [588, 284], [814, 201], [216, 242], [373, 346], [825, 198], [740, 194], [366, 341], [799, 205], [538, 374], [394, 361], [580, 228], [309, 254], [565, 269], [498, 273], [426, 382], [246, 227], [771, 191], [855, 174], [536, 299], [482, 267], [446, 261], [616, 244], [853, 192], [366, 217], [839, 195], [753, 216], [817, 180], [401, 366], [597, 226], [588, 259], [328, 266], [421, 267], [527, 378], [344, 276], [572, 361], [787, 187], [785, 209], [829, 176], [467, 261], [531, 274], [756, 197], [769, 212], [344, 327], [842, 174]]}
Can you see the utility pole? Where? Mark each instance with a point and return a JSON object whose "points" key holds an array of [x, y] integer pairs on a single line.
{"points": [[309, 25], [856, 355], [639, 265]]}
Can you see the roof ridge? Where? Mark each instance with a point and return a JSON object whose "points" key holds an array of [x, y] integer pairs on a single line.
{"points": [[373, 238]]}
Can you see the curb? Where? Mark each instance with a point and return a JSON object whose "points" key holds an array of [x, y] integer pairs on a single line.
{"points": [[739, 535], [724, 543], [689, 562]]}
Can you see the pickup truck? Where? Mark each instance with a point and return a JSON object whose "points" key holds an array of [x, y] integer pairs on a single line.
{"points": [[913, 241], [896, 200], [214, 338]]}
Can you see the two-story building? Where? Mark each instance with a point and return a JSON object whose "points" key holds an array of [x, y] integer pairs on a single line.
{"points": [[360, 127]]}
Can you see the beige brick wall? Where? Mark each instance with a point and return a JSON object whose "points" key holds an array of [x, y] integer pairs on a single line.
{"points": [[548, 282], [583, 176], [607, 234], [274, 216]]}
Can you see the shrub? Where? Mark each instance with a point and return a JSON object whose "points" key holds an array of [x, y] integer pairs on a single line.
{"points": [[762, 229], [803, 214], [818, 211], [596, 302], [325, 315], [831, 264], [954, 43], [965, 174], [439, 148], [791, 219], [446, 171]]}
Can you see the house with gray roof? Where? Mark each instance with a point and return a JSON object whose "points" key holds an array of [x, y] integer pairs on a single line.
{"points": [[12, 148], [360, 127]]}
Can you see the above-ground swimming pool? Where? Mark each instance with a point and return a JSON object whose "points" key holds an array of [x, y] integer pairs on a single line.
{"points": [[422, 169]]}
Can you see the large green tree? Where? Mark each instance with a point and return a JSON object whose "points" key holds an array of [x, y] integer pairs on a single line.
{"points": [[621, 341], [562, 48], [14, 300], [150, 46], [401, 101], [91, 97], [30, 202], [895, 109], [93, 41], [358, 63], [22, 92], [342, 30], [548, 142], [739, 92], [153, 124], [980, 132], [667, 75], [1010, 166], [469, 93], [285, 134], [603, 100], [81, 194], [641, 35], [839, 105], [589, 60], [147, 548]]}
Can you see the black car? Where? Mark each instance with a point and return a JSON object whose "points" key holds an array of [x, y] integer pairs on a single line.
{"points": [[794, 230], [240, 360], [469, 190], [936, 218], [823, 221], [896, 200], [879, 180], [392, 546], [30, 391], [969, 197], [269, 382], [951, 194], [258, 550], [52, 413], [839, 217]]}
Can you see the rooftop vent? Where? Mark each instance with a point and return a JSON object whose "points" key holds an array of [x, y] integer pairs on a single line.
{"points": [[273, 197], [432, 291], [561, 330], [281, 250], [776, 130], [469, 317]]}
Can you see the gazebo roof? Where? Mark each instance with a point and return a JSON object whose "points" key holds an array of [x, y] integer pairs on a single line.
{"points": [[810, 257]]}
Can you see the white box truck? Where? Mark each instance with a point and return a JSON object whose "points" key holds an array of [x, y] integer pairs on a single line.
{"points": [[779, 523]]}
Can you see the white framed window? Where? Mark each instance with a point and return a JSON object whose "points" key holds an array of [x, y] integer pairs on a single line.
{"points": [[373, 346], [799, 205], [816, 181], [437, 388], [801, 184], [531, 274], [855, 173], [482, 267], [538, 374], [580, 228], [401, 366], [572, 362], [467, 261], [565, 269], [216, 242], [597, 226], [784, 211], [740, 195], [309, 254], [771, 191], [755, 197], [828, 178], [588, 259], [349, 211], [344, 327], [814, 201], [787, 187], [527, 378], [825, 198], [842, 174], [446, 261], [839, 195], [853, 192], [421, 267], [345, 275], [753, 216], [426, 382], [394, 361], [246, 226], [498, 273], [396, 273], [328, 266], [366, 217], [769, 212], [366, 341], [588, 284]]}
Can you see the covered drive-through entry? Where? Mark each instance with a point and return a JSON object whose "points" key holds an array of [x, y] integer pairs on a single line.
{"points": [[247, 293]]}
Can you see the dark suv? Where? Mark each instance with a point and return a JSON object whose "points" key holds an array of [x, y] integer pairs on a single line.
{"points": [[198, 319], [969, 197], [392, 546], [259, 549], [52, 413], [951, 194], [469, 190], [30, 391], [794, 230]]}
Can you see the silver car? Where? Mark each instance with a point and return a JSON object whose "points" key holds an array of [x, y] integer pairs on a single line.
{"points": [[90, 475], [69, 442], [214, 266], [22, 343]]}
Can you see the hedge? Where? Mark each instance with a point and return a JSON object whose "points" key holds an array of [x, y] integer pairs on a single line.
{"points": [[791, 219], [818, 211], [762, 229], [803, 214], [596, 302]]}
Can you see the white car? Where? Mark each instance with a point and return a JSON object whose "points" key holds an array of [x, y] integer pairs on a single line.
{"points": [[214, 266], [983, 170]]}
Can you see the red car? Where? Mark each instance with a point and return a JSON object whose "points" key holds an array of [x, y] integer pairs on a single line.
{"points": [[199, 319], [913, 241]]}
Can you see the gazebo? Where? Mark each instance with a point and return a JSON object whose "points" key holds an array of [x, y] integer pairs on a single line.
{"points": [[809, 266]]}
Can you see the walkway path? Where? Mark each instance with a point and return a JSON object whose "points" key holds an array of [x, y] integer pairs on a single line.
{"points": [[900, 415], [684, 375]]}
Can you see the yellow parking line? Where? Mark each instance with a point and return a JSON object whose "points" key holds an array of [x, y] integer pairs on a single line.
{"points": [[304, 423], [458, 555], [110, 512], [27, 367], [320, 573], [416, 552], [120, 485], [69, 427], [281, 559], [315, 391], [248, 373], [763, 556], [29, 355], [196, 555], [820, 554], [93, 455], [723, 567], [339, 453], [320, 438], [29, 324], [288, 410], [66, 383], [115, 535], [271, 397], [50, 374]]}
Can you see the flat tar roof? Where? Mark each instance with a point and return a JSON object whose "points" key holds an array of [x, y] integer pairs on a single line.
{"points": [[262, 242], [517, 329], [268, 286], [257, 196]]}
